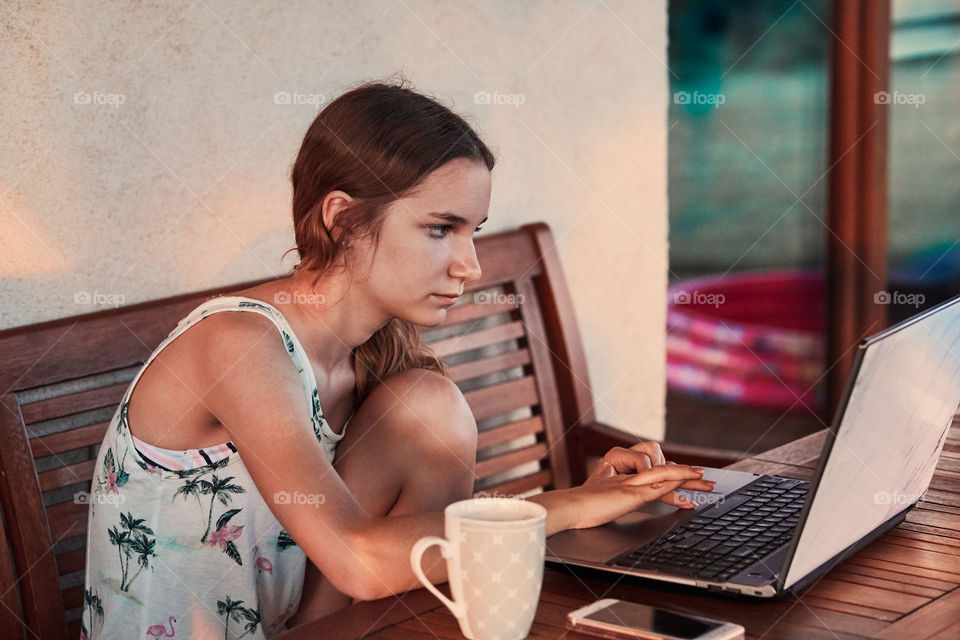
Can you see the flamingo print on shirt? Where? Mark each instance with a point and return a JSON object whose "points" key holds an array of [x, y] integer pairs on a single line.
{"points": [[159, 631]]}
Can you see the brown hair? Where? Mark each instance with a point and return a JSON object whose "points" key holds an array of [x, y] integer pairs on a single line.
{"points": [[377, 143]]}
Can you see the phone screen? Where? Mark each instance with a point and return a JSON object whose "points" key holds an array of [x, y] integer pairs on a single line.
{"points": [[628, 614]]}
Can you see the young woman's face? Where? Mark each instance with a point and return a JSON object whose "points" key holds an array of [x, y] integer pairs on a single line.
{"points": [[426, 244]]}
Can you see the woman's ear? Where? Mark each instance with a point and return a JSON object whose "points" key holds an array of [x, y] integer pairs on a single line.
{"points": [[333, 203]]}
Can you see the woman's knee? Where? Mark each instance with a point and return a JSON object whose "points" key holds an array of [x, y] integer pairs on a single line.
{"points": [[427, 410]]}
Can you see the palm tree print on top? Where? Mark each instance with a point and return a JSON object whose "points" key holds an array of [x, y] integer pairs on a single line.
{"points": [[218, 489], [122, 422], [132, 540], [93, 604], [233, 610], [284, 540]]}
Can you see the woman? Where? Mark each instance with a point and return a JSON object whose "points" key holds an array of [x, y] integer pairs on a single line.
{"points": [[217, 480]]}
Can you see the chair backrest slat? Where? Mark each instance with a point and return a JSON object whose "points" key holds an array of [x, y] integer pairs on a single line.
{"points": [[502, 398], [68, 440], [505, 462], [478, 339], [510, 431], [73, 403], [473, 311], [503, 344], [72, 474], [494, 364], [67, 519], [71, 561], [521, 485]]}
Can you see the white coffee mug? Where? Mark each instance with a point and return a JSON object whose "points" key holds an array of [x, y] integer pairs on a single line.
{"points": [[494, 549]]}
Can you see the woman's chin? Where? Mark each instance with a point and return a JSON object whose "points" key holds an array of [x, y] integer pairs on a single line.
{"points": [[428, 319]]}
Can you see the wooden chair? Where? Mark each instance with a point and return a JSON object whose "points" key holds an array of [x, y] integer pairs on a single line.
{"points": [[513, 348]]}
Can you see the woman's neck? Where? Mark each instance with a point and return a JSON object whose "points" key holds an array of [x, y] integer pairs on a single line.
{"points": [[331, 318]]}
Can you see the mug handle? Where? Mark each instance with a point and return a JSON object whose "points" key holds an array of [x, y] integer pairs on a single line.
{"points": [[416, 556]]}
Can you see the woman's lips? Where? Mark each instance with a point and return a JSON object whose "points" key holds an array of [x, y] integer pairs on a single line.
{"points": [[448, 299]]}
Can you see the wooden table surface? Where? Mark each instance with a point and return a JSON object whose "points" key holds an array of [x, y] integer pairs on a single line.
{"points": [[903, 585]]}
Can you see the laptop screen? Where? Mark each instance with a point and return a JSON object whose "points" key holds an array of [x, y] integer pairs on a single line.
{"points": [[899, 410]]}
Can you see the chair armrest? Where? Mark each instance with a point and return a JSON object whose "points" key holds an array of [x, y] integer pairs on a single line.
{"points": [[594, 439]]}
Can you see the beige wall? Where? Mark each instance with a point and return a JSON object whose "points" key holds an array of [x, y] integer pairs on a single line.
{"points": [[173, 178]]}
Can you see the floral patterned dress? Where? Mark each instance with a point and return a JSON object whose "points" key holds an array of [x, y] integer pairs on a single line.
{"points": [[181, 543]]}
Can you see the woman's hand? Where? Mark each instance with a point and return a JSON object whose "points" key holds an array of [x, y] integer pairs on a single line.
{"points": [[626, 479]]}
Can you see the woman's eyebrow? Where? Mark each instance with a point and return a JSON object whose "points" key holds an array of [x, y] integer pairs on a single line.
{"points": [[452, 217]]}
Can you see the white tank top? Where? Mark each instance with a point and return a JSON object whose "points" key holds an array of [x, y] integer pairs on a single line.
{"points": [[181, 542]]}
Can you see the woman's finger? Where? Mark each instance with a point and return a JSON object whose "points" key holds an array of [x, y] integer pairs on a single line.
{"points": [[643, 455], [699, 485], [653, 451], [666, 473], [603, 470], [677, 500]]}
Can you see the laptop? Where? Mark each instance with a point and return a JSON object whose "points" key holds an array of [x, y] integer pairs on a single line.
{"points": [[767, 536]]}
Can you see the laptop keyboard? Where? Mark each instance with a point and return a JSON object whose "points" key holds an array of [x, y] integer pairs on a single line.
{"points": [[727, 538]]}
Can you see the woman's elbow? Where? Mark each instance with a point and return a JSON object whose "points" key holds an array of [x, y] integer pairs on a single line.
{"points": [[362, 577]]}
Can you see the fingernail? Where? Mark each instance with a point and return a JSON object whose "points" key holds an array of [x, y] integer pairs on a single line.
{"points": [[699, 469]]}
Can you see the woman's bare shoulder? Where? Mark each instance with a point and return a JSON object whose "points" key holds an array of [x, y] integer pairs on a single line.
{"points": [[265, 291]]}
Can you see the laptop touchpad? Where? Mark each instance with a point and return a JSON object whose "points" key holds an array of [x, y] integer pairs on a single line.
{"points": [[601, 544]]}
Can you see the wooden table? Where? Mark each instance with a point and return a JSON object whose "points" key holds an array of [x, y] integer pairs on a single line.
{"points": [[903, 585]]}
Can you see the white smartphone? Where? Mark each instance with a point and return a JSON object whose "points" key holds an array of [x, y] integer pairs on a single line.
{"points": [[612, 618]]}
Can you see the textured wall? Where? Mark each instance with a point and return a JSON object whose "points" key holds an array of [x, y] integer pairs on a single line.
{"points": [[143, 152]]}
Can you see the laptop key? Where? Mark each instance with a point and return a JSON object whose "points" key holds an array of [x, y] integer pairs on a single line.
{"points": [[726, 506], [707, 544], [687, 541], [786, 485]]}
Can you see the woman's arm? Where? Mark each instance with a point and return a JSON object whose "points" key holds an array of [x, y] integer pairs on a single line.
{"points": [[389, 541], [258, 397], [251, 386]]}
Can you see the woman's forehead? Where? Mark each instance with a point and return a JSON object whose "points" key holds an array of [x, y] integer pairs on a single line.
{"points": [[460, 187]]}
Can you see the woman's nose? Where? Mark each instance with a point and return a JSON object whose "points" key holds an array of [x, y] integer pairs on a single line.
{"points": [[466, 267]]}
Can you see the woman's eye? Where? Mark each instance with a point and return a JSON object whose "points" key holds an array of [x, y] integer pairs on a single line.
{"points": [[439, 230], [478, 229]]}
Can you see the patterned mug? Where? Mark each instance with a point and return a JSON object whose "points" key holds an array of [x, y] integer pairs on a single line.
{"points": [[494, 549]]}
